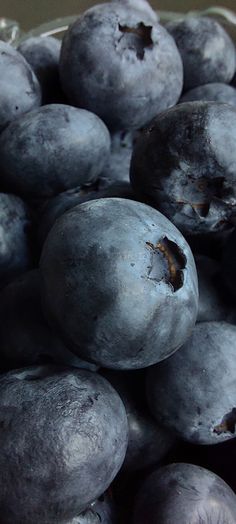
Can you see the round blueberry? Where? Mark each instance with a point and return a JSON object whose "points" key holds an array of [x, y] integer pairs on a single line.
{"points": [[184, 494], [207, 51], [57, 454], [185, 163], [121, 64], [51, 149], [119, 283], [193, 392]]}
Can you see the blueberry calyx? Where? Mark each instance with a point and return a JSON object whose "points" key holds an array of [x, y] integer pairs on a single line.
{"points": [[172, 263], [142, 37], [227, 424]]}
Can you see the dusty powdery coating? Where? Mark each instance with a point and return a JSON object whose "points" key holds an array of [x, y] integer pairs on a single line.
{"points": [[119, 63], [15, 244], [207, 51], [19, 88], [216, 92], [119, 283], [194, 391], [193, 495], [51, 149], [57, 453], [185, 163], [43, 54]]}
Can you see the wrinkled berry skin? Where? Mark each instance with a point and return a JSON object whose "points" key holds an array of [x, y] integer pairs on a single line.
{"points": [[57, 456], [43, 54], [185, 163], [193, 392], [212, 93], [108, 287], [207, 51], [55, 207], [25, 337], [148, 442], [120, 64], [15, 237], [19, 88], [193, 495], [52, 149]]}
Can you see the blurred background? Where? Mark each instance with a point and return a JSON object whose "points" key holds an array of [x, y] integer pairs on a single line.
{"points": [[31, 13]]}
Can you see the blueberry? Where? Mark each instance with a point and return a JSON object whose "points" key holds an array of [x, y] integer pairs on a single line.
{"points": [[148, 442], [119, 283], [15, 237], [119, 63], [43, 54], [184, 494], [19, 88], [57, 455], [207, 51], [211, 92], [25, 337], [185, 163], [193, 392], [51, 149]]}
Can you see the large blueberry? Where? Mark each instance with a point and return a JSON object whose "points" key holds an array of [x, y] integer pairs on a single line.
{"points": [[119, 282], [51, 149], [25, 337], [119, 63], [207, 51], [43, 54], [194, 392], [184, 494], [19, 88], [57, 453], [216, 92], [15, 237], [185, 163]]}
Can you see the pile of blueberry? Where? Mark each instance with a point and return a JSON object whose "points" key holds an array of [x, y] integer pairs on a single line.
{"points": [[118, 272]]}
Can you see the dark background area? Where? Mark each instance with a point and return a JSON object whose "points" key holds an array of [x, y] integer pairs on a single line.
{"points": [[31, 13]]}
